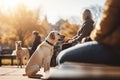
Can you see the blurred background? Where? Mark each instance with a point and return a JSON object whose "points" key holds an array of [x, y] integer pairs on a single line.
{"points": [[18, 18]]}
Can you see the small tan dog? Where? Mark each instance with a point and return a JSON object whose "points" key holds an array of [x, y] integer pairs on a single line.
{"points": [[22, 54], [43, 54]]}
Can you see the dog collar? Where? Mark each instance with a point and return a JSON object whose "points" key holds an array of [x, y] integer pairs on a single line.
{"points": [[49, 43]]}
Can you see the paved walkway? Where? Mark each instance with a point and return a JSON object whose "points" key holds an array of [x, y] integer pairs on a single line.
{"points": [[14, 73]]}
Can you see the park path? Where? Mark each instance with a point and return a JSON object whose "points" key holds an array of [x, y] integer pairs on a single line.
{"points": [[14, 73]]}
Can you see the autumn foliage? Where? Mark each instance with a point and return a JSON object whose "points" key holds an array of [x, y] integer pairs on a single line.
{"points": [[18, 24], [69, 30]]}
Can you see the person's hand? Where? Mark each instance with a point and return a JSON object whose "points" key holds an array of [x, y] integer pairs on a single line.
{"points": [[86, 39], [70, 41], [83, 40]]}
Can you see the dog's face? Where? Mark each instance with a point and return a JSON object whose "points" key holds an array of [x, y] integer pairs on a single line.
{"points": [[18, 43], [54, 35]]}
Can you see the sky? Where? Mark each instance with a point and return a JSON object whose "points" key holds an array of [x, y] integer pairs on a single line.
{"points": [[55, 9]]}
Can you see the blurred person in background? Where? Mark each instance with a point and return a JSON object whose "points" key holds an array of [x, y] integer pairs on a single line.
{"points": [[36, 41]]}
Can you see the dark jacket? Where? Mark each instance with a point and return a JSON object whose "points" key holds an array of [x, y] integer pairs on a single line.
{"points": [[108, 31], [36, 42], [84, 31]]}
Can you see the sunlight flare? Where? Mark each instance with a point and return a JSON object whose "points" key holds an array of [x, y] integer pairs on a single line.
{"points": [[12, 4]]}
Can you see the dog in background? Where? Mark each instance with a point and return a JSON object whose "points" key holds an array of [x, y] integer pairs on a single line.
{"points": [[43, 54], [22, 54]]}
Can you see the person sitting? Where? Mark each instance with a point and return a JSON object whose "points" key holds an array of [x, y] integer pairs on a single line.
{"points": [[105, 45], [36, 41], [84, 31]]}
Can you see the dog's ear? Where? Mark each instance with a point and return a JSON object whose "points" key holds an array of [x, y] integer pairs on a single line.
{"points": [[52, 35]]}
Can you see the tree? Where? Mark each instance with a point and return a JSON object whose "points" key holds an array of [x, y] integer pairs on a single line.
{"points": [[20, 23], [97, 11], [69, 30]]}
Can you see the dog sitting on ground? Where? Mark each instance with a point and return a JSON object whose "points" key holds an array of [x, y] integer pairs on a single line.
{"points": [[22, 54], [43, 54]]}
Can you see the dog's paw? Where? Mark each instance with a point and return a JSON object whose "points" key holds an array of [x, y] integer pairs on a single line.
{"points": [[24, 74]]}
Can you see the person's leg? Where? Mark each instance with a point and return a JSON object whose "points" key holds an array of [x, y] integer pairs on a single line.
{"points": [[89, 52]]}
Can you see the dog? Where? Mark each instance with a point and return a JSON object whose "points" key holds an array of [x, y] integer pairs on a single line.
{"points": [[22, 54], [43, 54]]}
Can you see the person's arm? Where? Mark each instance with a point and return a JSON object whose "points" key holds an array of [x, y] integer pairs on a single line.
{"points": [[84, 32], [110, 20], [78, 33], [86, 39]]}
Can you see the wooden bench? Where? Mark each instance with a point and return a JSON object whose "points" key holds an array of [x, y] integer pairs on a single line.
{"points": [[84, 71], [7, 54]]}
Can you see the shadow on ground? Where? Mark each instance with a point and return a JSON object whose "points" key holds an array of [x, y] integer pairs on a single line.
{"points": [[37, 76]]}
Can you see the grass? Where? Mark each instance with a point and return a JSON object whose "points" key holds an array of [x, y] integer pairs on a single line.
{"points": [[8, 61]]}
